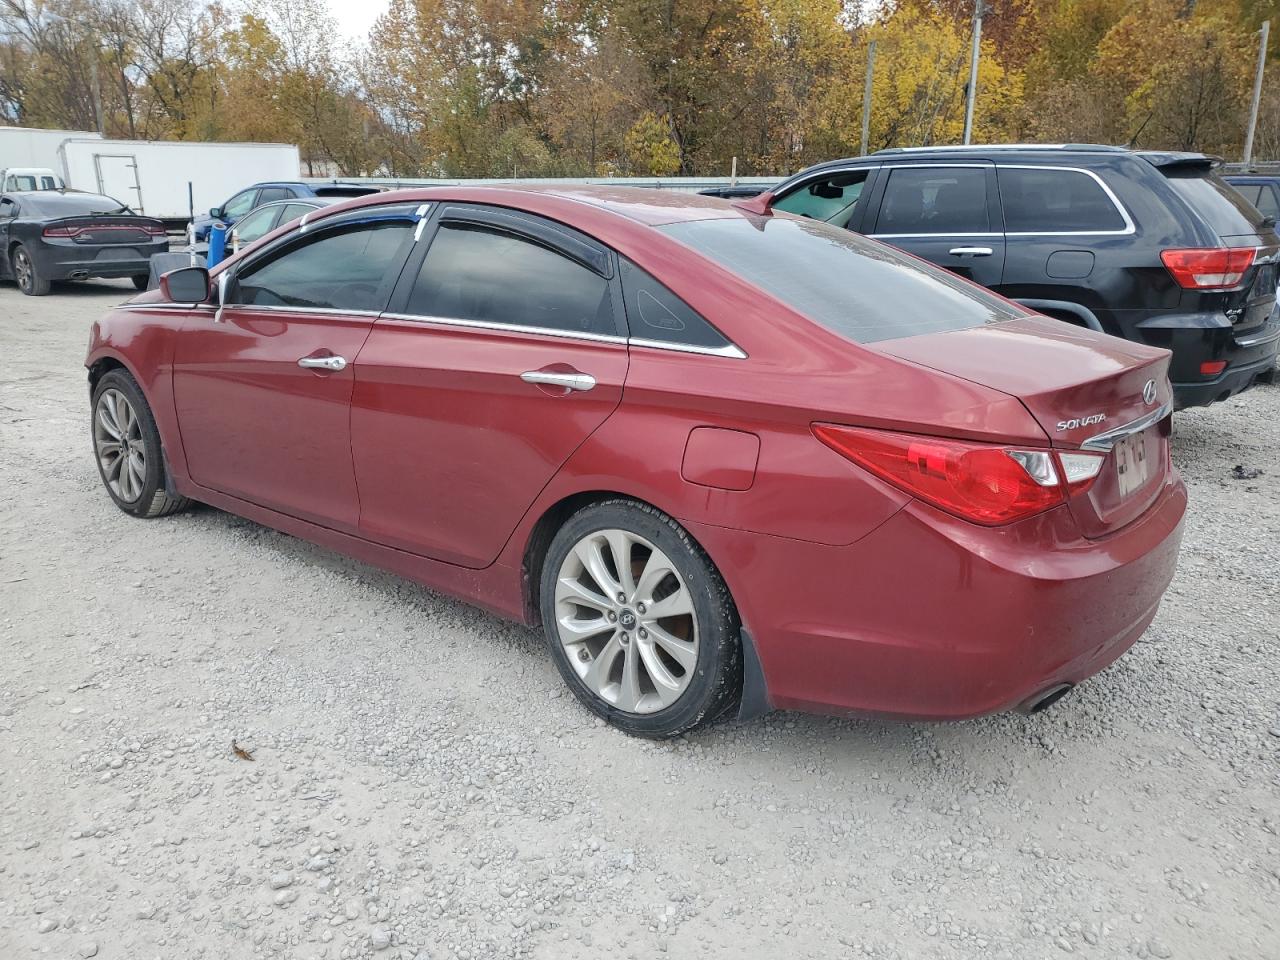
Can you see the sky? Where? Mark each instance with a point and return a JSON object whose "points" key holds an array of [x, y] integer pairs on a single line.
{"points": [[355, 17]]}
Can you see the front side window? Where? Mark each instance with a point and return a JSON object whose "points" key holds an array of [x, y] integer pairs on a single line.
{"points": [[1055, 201], [240, 204], [831, 198], [942, 200], [344, 269], [485, 275], [862, 290]]}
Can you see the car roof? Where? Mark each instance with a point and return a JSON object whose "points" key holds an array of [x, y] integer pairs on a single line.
{"points": [[650, 206]]}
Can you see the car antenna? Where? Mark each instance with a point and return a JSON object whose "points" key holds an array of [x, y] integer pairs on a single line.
{"points": [[760, 205]]}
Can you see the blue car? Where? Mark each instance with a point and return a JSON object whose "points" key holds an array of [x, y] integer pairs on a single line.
{"points": [[260, 193]]}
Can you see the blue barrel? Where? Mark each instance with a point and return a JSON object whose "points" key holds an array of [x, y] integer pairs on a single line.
{"points": [[217, 243]]}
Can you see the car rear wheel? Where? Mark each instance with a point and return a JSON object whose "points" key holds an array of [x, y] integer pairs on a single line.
{"points": [[639, 621], [127, 449], [27, 274], [140, 281]]}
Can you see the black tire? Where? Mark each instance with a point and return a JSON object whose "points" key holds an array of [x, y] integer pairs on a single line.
{"points": [[30, 280], [715, 684], [140, 280], [151, 499]]}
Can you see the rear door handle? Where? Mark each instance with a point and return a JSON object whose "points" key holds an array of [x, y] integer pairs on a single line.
{"points": [[971, 251], [570, 381], [323, 363]]}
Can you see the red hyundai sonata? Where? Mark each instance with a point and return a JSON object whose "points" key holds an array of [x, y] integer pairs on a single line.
{"points": [[728, 458]]}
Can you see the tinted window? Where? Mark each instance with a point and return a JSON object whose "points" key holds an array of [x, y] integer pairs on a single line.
{"points": [[1055, 201], [271, 194], [655, 313], [1226, 212], [935, 200], [1250, 191], [860, 289], [473, 272], [831, 198], [240, 204], [292, 211], [1268, 204], [342, 269], [55, 205]]}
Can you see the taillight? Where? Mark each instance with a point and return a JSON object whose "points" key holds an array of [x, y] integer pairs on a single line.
{"points": [[58, 232], [1211, 268], [981, 482], [155, 229]]}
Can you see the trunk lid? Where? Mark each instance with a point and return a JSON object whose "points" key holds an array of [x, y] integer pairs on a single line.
{"points": [[100, 229], [1080, 386]]}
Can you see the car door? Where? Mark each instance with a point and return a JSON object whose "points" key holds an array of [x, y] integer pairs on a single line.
{"points": [[8, 213], [946, 213], [263, 393], [503, 349]]}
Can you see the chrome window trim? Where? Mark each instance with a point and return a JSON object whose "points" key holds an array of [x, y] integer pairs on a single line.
{"points": [[166, 306], [1128, 230], [321, 311], [890, 236], [731, 351], [1105, 441], [506, 327]]}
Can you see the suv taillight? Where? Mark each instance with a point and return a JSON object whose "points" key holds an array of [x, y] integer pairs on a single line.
{"points": [[1209, 268], [981, 482]]}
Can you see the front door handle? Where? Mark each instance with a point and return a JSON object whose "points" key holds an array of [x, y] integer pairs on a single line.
{"points": [[323, 363], [570, 381], [971, 251]]}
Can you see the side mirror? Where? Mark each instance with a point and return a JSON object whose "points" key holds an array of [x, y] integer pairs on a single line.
{"points": [[186, 285], [215, 212]]}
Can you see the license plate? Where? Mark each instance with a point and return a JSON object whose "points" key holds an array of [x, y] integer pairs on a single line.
{"points": [[1131, 463]]}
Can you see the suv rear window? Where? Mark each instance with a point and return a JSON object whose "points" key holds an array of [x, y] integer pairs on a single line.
{"points": [[1228, 213], [862, 290], [1046, 200]]}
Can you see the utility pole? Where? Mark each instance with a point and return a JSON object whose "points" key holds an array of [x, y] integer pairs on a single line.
{"points": [[1257, 94], [866, 97], [96, 90], [972, 92]]}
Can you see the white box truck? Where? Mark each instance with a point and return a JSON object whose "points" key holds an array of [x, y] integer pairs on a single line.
{"points": [[29, 157], [152, 177]]}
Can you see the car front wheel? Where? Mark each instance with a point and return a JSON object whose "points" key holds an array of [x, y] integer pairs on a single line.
{"points": [[126, 446], [25, 271], [639, 621]]}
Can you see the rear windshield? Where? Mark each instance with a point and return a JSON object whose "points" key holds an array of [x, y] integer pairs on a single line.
{"points": [[57, 205], [1222, 207], [862, 290]]}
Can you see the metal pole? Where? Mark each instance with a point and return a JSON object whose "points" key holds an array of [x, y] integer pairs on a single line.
{"points": [[972, 93], [733, 173], [866, 97], [1257, 94], [96, 90]]}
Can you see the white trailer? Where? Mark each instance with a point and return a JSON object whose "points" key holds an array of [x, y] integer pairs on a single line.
{"points": [[169, 178], [33, 147]]}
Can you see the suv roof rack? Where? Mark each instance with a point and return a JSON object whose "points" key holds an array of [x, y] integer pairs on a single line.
{"points": [[1095, 147]]}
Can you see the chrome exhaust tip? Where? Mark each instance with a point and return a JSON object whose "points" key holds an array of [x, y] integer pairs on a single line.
{"points": [[1045, 698]]}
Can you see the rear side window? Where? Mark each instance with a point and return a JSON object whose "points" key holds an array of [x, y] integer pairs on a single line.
{"points": [[1228, 213], [831, 198], [859, 289], [1262, 196], [655, 313], [943, 200], [1043, 200], [343, 269], [271, 194], [485, 275]]}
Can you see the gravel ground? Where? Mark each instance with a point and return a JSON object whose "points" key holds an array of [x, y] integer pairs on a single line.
{"points": [[423, 787]]}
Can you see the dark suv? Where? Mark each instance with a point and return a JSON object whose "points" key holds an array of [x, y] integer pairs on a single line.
{"points": [[1153, 247]]}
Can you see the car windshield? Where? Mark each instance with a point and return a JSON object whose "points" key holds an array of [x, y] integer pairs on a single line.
{"points": [[858, 288], [57, 205]]}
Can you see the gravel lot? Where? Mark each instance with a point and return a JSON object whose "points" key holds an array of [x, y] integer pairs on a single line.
{"points": [[423, 787]]}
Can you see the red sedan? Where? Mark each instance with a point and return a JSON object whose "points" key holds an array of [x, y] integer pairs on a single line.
{"points": [[728, 458]]}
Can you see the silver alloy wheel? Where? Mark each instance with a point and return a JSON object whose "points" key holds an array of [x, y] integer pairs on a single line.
{"points": [[22, 270], [626, 619], [117, 440]]}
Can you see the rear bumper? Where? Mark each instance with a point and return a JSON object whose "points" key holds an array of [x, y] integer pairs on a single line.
{"points": [[1250, 355], [1235, 379], [73, 264], [930, 617]]}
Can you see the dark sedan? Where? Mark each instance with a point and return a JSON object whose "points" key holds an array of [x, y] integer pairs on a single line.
{"points": [[68, 235]]}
